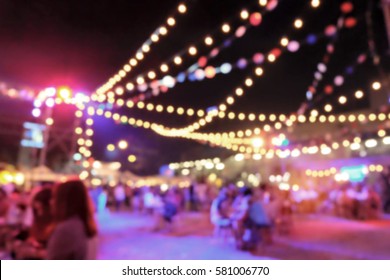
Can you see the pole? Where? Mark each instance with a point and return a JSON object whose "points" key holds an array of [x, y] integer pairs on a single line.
{"points": [[46, 135]]}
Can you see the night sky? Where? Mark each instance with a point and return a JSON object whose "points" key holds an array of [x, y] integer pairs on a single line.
{"points": [[81, 44]]}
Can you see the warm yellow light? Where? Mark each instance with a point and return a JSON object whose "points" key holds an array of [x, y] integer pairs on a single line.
{"points": [[239, 91], [230, 100], [132, 158], [151, 75], [49, 121], [122, 144], [171, 21], [192, 50], [257, 142], [376, 85], [248, 82], [140, 80], [164, 68], [315, 3], [328, 108], [271, 57], [342, 100], [163, 31], [177, 60], [145, 48], [284, 42], [263, 2], [298, 23], [359, 94], [139, 56], [182, 8], [159, 108], [154, 38], [133, 62], [225, 28], [129, 86], [382, 133], [208, 41], [244, 14]]}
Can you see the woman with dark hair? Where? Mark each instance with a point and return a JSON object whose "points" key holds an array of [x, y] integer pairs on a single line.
{"points": [[75, 227], [31, 243]]}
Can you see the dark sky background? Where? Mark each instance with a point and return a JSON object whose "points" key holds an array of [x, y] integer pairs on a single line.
{"points": [[81, 43]]}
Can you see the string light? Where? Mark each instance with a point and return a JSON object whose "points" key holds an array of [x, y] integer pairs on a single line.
{"points": [[225, 28], [140, 54], [298, 23], [315, 3], [376, 86]]}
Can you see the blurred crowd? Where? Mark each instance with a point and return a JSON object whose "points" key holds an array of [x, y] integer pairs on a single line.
{"points": [[57, 221], [50, 222]]}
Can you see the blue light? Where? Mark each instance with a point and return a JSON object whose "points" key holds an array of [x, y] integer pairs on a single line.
{"points": [[181, 77], [311, 39], [285, 142], [192, 77], [226, 68], [355, 173], [213, 108]]}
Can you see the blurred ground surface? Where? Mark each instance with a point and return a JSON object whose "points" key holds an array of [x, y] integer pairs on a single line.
{"points": [[129, 236]]}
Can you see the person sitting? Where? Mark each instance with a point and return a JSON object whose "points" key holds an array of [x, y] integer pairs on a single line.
{"points": [[75, 231], [219, 212], [239, 215], [258, 222], [30, 244]]}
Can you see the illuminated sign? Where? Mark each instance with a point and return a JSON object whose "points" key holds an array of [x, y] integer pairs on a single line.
{"points": [[33, 135], [355, 173]]}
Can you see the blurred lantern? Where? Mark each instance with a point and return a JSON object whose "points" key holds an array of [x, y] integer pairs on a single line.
{"points": [[350, 22], [272, 5], [210, 72], [321, 67], [277, 52], [202, 61], [143, 87], [258, 58], [338, 81], [293, 46], [199, 74], [214, 52], [226, 68], [242, 63], [36, 112], [64, 93], [318, 76], [122, 144], [346, 7], [255, 19], [328, 89], [227, 43], [311, 39], [362, 58], [168, 81], [330, 30], [181, 77], [50, 102], [330, 48], [240, 31]]}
